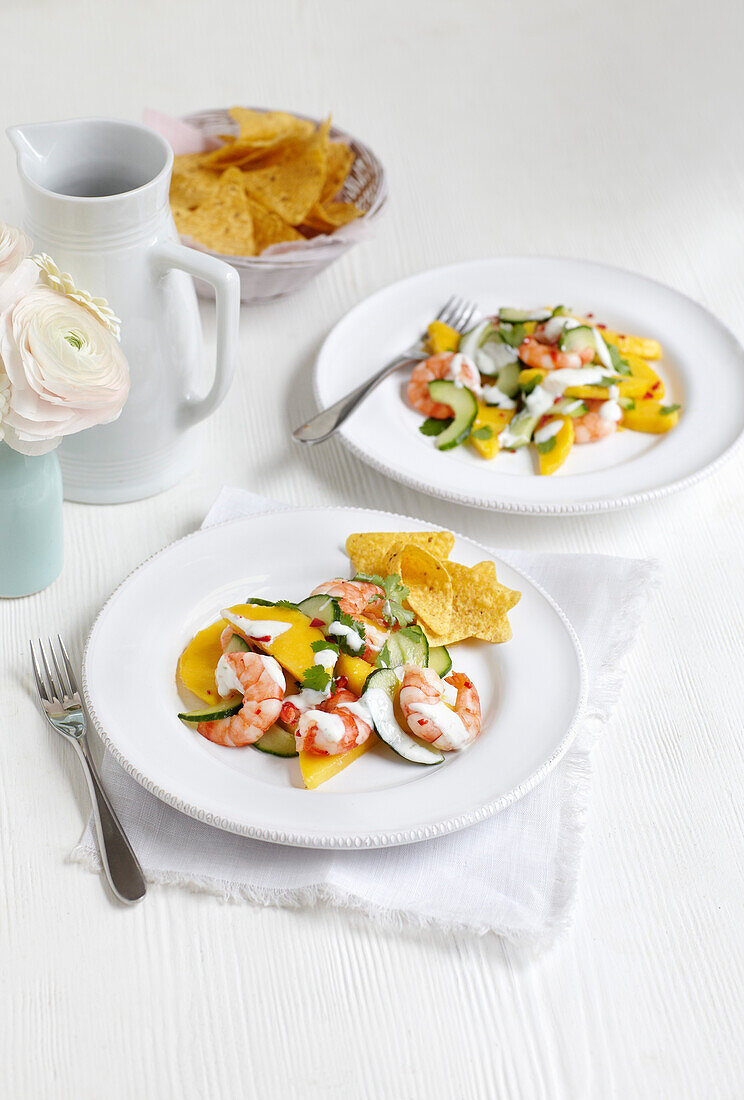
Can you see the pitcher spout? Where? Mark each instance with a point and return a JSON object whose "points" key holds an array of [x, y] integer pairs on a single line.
{"points": [[32, 143]]}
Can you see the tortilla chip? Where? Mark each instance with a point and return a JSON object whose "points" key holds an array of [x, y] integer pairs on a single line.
{"points": [[191, 183], [479, 603], [429, 585], [369, 551], [224, 222], [260, 132], [325, 217], [289, 181], [338, 166], [269, 228]]}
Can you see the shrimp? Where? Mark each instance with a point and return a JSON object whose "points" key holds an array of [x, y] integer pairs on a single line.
{"points": [[540, 356], [431, 712], [335, 726], [361, 599], [592, 427], [263, 686], [440, 366]]}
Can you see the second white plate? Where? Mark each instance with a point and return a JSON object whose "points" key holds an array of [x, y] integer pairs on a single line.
{"points": [[702, 369]]}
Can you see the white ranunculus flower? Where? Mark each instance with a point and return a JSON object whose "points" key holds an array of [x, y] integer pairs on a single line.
{"points": [[15, 247], [66, 369]]}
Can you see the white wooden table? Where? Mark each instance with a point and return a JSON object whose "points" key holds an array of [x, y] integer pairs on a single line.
{"points": [[554, 128]]}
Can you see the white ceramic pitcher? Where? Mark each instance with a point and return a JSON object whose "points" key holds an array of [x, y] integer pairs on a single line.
{"points": [[96, 193]]}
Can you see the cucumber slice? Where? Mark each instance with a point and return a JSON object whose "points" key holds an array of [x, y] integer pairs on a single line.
{"points": [[277, 742], [440, 660], [512, 334], [379, 693], [494, 355], [464, 406], [213, 713], [521, 316], [576, 339], [508, 380], [520, 429], [320, 609], [569, 406], [472, 340], [237, 645], [257, 602], [408, 646]]}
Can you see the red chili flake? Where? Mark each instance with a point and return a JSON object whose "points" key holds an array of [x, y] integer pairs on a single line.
{"points": [[599, 324], [556, 400], [266, 638], [422, 721], [591, 315], [648, 396], [621, 335], [317, 623], [656, 385]]}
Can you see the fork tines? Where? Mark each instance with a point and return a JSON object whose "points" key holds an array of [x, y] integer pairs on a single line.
{"points": [[58, 686], [458, 313]]}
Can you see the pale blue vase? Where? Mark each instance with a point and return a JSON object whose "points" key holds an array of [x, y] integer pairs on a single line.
{"points": [[31, 534]]}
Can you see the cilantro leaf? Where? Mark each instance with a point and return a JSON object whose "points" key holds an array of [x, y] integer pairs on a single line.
{"points": [[383, 658], [621, 365], [316, 678], [256, 602], [396, 593], [322, 644], [533, 383], [666, 410], [432, 426], [548, 445], [482, 433]]}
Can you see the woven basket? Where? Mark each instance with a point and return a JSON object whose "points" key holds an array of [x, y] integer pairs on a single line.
{"points": [[264, 277]]}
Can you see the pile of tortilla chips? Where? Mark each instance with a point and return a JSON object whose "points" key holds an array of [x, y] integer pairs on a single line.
{"points": [[275, 180], [452, 602]]}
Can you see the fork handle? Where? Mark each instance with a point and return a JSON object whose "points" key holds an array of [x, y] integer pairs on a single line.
{"points": [[325, 423], [120, 864]]}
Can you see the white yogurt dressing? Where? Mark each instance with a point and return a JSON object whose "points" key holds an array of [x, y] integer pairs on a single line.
{"points": [[308, 698], [360, 709], [453, 732], [610, 409], [548, 432], [492, 395], [540, 400], [331, 729], [326, 657], [349, 634], [226, 678], [269, 629]]}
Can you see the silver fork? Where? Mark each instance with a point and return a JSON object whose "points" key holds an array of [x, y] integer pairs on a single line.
{"points": [[60, 700], [457, 313]]}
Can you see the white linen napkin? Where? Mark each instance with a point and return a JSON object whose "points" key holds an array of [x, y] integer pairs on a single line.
{"points": [[514, 874]]}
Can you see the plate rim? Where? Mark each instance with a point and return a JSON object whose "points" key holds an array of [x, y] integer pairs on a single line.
{"points": [[590, 507], [291, 838]]}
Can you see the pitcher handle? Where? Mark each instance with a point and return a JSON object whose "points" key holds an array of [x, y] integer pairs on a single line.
{"points": [[226, 283]]}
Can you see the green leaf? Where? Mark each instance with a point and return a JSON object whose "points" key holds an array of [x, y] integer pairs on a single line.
{"points": [[548, 445], [358, 628], [482, 433], [432, 426], [383, 658], [396, 593], [666, 410], [608, 380], [316, 678], [256, 602], [621, 365], [323, 644]]}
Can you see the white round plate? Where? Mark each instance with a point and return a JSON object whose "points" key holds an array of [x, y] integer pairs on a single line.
{"points": [[702, 369], [129, 682]]}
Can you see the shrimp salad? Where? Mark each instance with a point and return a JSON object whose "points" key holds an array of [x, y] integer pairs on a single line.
{"points": [[328, 677], [544, 378]]}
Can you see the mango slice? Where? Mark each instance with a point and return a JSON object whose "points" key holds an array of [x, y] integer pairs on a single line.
{"points": [[632, 345], [647, 416], [355, 670], [294, 648], [442, 337], [318, 769], [549, 461], [198, 661], [489, 416]]}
